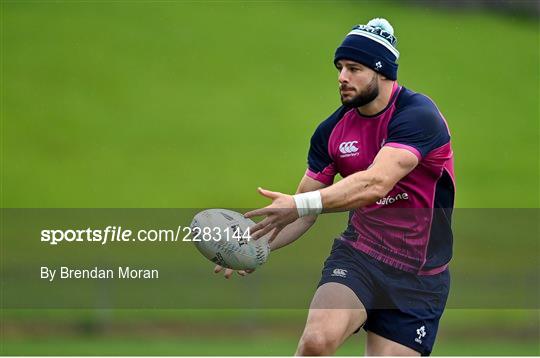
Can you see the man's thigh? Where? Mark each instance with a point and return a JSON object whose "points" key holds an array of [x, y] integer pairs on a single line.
{"points": [[335, 313], [379, 346]]}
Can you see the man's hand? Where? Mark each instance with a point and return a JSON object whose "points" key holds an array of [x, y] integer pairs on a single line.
{"points": [[279, 214], [228, 272]]}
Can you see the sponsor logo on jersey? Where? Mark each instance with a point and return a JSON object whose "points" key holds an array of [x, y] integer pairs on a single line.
{"points": [[421, 332], [392, 199], [348, 149], [339, 273]]}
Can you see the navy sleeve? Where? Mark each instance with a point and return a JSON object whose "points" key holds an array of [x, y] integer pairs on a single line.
{"points": [[419, 125], [320, 163]]}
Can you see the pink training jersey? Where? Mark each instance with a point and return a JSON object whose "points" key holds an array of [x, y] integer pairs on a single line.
{"points": [[410, 228]]}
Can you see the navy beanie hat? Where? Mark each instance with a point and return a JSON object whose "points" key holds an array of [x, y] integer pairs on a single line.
{"points": [[373, 45]]}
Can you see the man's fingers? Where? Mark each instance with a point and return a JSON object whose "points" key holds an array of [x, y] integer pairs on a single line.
{"points": [[260, 233], [274, 234], [269, 194], [258, 212], [228, 273], [259, 226]]}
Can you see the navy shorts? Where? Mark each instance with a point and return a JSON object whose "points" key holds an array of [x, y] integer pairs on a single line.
{"points": [[401, 306]]}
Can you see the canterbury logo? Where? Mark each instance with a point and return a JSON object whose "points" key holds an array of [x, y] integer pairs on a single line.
{"points": [[339, 273], [348, 147]]}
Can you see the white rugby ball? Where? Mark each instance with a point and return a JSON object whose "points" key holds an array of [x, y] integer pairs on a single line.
{"points": [[222, 236]]}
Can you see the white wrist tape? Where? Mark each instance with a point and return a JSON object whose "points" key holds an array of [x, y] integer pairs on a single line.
{"points": [[309, 203]]}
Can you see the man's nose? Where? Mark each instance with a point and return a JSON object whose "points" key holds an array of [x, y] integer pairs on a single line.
{"points": [[343, 78]]}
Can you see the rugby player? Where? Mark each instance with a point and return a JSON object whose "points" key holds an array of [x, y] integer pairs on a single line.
{"points": [[387, 272]]}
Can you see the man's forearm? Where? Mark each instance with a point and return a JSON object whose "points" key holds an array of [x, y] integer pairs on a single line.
{"points": [[355, 191], [292, 232]]}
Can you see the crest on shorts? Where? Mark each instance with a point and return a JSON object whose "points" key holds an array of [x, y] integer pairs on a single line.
{"points": [[421, 332]]}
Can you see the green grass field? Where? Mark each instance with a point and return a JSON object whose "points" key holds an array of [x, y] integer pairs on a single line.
{"points": [[239, 332], [240, 346], [195, 104]]}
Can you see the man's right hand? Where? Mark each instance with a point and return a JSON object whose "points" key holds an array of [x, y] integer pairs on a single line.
{"points": [[228, 272]]}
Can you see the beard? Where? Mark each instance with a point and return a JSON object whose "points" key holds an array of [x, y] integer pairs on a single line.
{"points": [[367, 95]]}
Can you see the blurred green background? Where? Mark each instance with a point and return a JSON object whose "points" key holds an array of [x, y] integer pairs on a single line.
{"points": [[195, 104]]}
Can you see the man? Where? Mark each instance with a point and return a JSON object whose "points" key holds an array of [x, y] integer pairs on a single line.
{"points": [[388, 270]]}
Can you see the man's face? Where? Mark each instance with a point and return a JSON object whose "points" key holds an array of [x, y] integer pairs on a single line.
{"points": [[358, 84]]}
